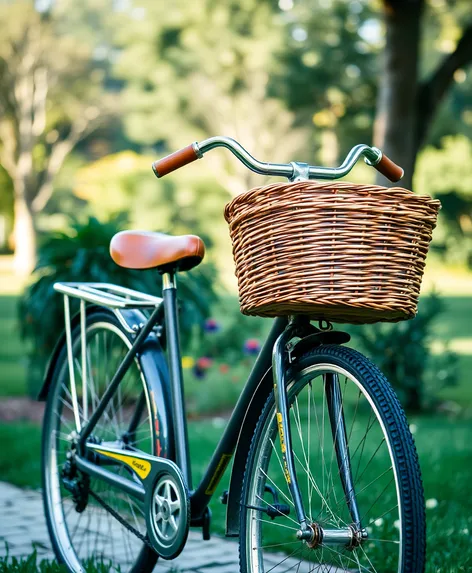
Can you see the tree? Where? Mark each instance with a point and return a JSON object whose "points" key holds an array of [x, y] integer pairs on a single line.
{"points": [[328, 75], [446, 173], [407, 104], [51, 97], [204, 68]]}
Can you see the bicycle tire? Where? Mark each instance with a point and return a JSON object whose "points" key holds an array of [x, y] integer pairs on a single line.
{"points": [[256, 538], [57, 506]]}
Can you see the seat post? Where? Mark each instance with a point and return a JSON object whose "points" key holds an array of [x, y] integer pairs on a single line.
{"points": [[179, 418]]}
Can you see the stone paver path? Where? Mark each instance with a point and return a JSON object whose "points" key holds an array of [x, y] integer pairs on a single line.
{"points": [[23, 526]]}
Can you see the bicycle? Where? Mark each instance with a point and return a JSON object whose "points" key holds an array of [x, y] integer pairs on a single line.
{"points": [[338, 489]]}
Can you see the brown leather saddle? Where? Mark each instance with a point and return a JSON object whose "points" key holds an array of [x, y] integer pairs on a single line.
{"points": [[146, 250]]}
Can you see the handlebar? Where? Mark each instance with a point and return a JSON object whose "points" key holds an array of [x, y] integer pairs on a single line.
{"points": [[294, 171]]}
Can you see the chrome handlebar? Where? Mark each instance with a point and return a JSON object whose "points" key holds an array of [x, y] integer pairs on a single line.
{"points": [[294, 171]]}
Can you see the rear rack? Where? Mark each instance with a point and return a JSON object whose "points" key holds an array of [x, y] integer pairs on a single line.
{"points": [[114, 297], [109, 295]]}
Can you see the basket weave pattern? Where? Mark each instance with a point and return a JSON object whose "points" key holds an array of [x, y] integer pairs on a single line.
{"points": [[335, 251]]}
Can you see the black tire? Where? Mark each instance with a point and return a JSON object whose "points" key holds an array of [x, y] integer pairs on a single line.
{"points": [[396, 535], [114, 546]]}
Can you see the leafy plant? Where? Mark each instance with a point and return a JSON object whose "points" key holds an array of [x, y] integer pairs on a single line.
{"points": [[81, 254], [403, 353], [30, 564], [446, 173]]}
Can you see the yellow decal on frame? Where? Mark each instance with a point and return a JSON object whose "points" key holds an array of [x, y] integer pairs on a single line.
{"points": [[283, 447], [139, 466], [220, 470], [281, 432]]}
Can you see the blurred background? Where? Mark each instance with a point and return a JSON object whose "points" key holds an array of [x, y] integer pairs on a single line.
{"points": [[92, 92]]}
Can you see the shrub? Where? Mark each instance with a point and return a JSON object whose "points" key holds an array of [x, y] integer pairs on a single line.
{"points": [[81, 254], [219, 360], [403, 353]]}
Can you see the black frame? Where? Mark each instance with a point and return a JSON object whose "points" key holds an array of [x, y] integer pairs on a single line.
{"points": [[225, 449]]}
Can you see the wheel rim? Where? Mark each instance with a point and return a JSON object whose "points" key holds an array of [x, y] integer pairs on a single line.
{"points": [[96, 535], [272, 544]]}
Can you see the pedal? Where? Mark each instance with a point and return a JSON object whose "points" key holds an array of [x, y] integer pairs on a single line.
{"points": [[206, 522], [276, 508]]}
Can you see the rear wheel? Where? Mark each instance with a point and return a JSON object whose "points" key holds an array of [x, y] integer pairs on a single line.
{"points": [[384, 467], [82, 530]]}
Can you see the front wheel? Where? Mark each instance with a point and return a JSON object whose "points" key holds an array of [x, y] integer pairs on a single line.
{"points": [[383, 464]]}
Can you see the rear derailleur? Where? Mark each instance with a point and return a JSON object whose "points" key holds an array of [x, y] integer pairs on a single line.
{"points": [[77, 483]]}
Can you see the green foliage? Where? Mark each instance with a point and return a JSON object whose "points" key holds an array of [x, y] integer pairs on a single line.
{"points": [[30, 564], [233, 331], [329, 70], [446, 173], [221, 350], [183, 203], [12, 367], [204, 68], [402, 352], [81, 254]]}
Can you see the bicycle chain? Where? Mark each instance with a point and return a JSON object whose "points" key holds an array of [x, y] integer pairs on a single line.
{"points": [[117, 516]]}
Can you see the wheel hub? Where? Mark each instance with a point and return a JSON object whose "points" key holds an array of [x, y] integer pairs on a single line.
{"points": [[315, 536]]}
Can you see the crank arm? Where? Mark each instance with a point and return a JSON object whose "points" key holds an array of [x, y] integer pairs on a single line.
{"points": [[338, 429], [157, 479]]}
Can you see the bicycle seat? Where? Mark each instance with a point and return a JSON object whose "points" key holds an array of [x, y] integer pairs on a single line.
{"points": [[146, 250]]}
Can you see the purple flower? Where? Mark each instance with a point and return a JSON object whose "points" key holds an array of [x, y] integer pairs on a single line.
{"points": [[201, 366], [198, 372], [252, 347], [211, 325]]}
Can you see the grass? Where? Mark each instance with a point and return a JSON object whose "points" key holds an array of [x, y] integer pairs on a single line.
{"points": [[444, 447], [12, 357], [30, 564], [444, 444]]}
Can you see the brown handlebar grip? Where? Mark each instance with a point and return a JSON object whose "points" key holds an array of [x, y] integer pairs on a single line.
{"points": [[390, 169], [174, 161]]}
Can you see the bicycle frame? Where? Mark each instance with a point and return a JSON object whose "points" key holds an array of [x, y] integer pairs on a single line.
{"points": [[225, 449], [240, 425]]}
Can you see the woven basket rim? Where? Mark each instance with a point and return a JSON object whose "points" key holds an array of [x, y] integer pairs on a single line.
{"points": [[401, 193]]}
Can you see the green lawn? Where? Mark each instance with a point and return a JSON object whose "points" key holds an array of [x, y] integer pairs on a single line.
{"points": [[444, 447], [12, 357], [444, 444]]}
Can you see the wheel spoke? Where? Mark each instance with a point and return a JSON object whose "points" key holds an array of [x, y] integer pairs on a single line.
{"points": [[371, 456], [95, 534]]}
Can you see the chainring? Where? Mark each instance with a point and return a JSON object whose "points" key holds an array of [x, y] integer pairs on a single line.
{"points": [[168, 513]]}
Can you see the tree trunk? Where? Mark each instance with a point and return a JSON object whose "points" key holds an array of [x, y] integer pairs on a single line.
{"points": [[395, 126], [24, 237]]}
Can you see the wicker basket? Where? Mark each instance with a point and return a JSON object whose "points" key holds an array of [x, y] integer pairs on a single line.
{"points": [[333, 251]]}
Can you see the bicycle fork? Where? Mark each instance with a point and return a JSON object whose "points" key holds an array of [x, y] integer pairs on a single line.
{"points": [[311, 532]]}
